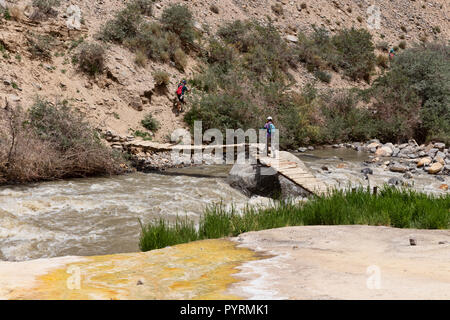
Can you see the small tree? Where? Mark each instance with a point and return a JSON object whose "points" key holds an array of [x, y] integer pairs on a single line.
{"points": [[150, 123], [178, 19], [90, 58]]}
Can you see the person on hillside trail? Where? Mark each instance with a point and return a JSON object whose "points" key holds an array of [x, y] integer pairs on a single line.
{"points": [[270, 127], [391, 54], [181, 89]]}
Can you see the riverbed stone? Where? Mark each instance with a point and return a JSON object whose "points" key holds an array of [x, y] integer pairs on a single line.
{"points": [[384, 151], [395, 181], [440, 146], [395, 152], [250, 179], [440, 160], [398, 168], [432, 152], [423, 162], [435, 168], [373, 145]]}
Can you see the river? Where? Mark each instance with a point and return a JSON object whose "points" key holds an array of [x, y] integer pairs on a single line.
{"points": [[96, 216]]}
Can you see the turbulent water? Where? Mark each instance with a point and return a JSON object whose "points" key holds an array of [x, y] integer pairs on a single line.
{"points": [[97, 216], [100, 215]]}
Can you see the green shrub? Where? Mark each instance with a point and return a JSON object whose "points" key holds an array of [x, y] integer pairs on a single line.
{"points": [[350, 49], [140, 58], [179, 20], [391, 207], [145, 7], [44, 8], [5, 14], [124, 25], [90, 58], [436, 29], [40, 46], [161, 78], [382, 61], [214, 8], [323, 76], [150, 123], [356, 56], [277, 9], [180, 59], [412, 99]]}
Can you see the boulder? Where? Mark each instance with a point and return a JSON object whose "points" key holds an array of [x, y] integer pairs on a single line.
{"points": [[398, 168], [443, 187], [440, 154], [440, 160], [424, 162], [373, 145], [395, 181], [302, 149], [413, 142], [440, 146], [292, 38], [433, 152], [253, 179], [136, 104], [366, 171], [446, 169], [408, 175], [395, 152], [384, 151], [435, 168]]}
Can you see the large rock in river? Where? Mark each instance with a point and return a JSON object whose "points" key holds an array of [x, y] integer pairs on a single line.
{"points": [[254, 179], [384, 151]]}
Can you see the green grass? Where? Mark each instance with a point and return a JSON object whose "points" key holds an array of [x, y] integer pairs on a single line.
{"points": [[391, 207]]}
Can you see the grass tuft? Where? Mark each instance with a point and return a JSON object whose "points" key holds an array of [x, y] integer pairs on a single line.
{"points": [[393, 207]]}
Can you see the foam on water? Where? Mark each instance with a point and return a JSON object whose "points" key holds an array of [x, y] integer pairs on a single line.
{"points": [[98, 215]]}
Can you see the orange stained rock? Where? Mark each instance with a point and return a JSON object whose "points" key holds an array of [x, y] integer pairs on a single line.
{"points": [[196, 270]]}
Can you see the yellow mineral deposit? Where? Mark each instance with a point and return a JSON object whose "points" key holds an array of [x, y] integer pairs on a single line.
{"points": [[197, 270]]}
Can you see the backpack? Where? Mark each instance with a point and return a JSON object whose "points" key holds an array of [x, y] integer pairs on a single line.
{"points": [[270, 127], [180, 89]]}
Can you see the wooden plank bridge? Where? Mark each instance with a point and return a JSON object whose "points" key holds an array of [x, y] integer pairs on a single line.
{"points": [[285, 163]]}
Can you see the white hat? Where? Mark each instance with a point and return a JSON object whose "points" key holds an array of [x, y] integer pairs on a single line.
{"points": [[269, 118]]}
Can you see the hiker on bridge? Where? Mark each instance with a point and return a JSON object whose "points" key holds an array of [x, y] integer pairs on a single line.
{"points": [[269, 126], [181, 89]]}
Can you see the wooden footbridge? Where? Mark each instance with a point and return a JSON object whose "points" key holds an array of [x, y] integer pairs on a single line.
{"points": [[284, 163]]}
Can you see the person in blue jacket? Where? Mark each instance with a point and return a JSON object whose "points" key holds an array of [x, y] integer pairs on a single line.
{"points": [[269, 126]]}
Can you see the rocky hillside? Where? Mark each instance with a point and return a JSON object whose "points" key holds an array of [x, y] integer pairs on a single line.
{"points": [[120, 97]]}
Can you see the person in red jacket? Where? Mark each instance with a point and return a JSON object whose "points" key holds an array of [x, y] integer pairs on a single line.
{"points": [[182, 88]]}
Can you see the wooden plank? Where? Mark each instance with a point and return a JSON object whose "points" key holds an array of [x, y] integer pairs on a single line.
{"points": [[301, 176], [291, 171]]}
